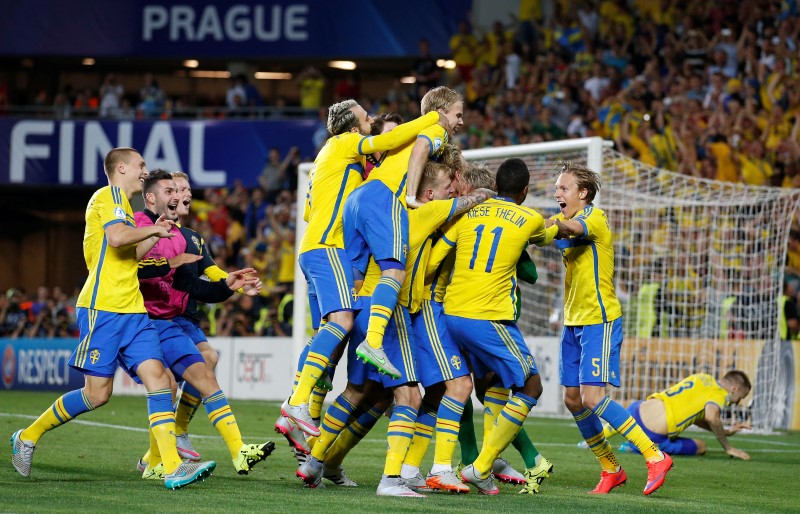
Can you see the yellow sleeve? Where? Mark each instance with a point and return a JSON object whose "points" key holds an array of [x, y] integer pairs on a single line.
{"points": [[440, 251], [397, 137], [594, 223], [546, 237], [436, 136], [434, 213], [109, 207], [215, 273]]}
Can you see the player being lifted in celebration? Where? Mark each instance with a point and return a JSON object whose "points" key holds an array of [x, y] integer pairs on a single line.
{"points": [[337, 170], [696, 400], [114, 324], [480, 304], [376, 218], [592, 337]]}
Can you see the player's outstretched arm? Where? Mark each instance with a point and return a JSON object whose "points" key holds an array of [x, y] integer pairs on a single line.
{"points": [[467, 202], [242, 278], [398, 136], [712, 418], [119, 235], [567, 228]]}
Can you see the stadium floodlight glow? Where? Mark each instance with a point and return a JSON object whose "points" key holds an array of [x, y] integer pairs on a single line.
{"points": [[273, 75], [208, 74], [191, 63], [446, 63], [342, 65], [87, 61], [408, 80]]}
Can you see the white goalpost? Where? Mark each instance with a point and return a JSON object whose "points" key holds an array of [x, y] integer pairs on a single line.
{"points": [[699, 270]]}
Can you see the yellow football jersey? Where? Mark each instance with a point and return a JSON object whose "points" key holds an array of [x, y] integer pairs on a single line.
{"points": [[113, 284], [422, 223], [436, 284], [589, 295], [489, 239], [337, 171], [685, 402], [392, 169]]}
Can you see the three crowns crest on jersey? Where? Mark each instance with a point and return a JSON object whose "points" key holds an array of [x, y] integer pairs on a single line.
{"points": [[196, 242]]}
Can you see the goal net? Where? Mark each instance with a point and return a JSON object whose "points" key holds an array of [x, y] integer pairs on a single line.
{"points": [[699, 271]]}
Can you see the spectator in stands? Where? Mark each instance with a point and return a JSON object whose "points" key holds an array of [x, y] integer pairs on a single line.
{"points": [[111, 93], [312, 84], [218, 216], [425, 70], [349, 87], [278, 175], [788, 320], [151, 97], [321, 133], [256, 213], [463, 46], [236, 97]]}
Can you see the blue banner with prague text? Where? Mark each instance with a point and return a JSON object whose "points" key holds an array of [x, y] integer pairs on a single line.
{"points": [[240, 28], [215, 153], [39, 364]]}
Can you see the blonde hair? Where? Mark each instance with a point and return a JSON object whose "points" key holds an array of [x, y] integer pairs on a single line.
{"points": [[441, 97], [180, 174], [478, 176], [453, 158], [430, 175], [585, 178]]}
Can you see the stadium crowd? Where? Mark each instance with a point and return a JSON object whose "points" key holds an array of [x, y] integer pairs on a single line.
{"points": [[703, 89]]}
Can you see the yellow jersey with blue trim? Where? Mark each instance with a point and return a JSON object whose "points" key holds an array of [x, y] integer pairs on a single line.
{"points": [[338, 170], [113, 284], [589, 295], [685, 402], [422, 224], [392, 168], [436, 284], [488, 240]]}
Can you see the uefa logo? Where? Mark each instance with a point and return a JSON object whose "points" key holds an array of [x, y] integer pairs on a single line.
{"points": [[9, 366]]}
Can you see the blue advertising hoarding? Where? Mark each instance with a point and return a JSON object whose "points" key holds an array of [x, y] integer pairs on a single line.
{"points": [[38, 152], [242, 28], [39, 364]]}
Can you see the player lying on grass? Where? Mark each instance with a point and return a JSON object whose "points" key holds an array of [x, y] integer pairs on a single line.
{"points": [[696, 400]]}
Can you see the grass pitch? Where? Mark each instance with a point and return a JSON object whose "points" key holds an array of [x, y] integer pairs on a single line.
{"points": [[90, 465]]}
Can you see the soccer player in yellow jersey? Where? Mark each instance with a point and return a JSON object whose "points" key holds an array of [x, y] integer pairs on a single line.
{"points": [[375, 218], [696, 400], [114, 324], [592, 336], [337, 170], [480, 303]]}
